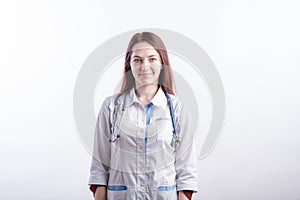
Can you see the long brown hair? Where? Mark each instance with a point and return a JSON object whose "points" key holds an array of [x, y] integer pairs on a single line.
{"points": [[166, 80]]}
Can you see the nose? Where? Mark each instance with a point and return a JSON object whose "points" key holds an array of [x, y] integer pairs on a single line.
{"points": [[145, 66]]}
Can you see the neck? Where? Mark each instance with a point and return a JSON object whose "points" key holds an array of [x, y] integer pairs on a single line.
{"points": [[146, 92]]}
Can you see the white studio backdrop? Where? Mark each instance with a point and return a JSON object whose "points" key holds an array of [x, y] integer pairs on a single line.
{"points": [[254, 45]]}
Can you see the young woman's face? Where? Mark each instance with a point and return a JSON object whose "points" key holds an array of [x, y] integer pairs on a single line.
{"points": [[145, 64]]}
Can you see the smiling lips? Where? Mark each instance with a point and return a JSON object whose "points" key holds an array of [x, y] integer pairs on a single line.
{"points": [[146, 74]]}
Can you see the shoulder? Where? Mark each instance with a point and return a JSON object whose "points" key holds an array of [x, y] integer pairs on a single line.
{"points": [[175, 101], [114, 100], [108, 102]]}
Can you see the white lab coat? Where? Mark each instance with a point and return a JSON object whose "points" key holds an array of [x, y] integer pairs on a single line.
{"points": [[139, 162]]}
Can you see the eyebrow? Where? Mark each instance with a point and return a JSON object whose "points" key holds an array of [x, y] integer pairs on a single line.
{"points": [[148, 56]]}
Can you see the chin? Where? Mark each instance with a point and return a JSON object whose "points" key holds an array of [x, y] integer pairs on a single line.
{"points": [[145, 83]]}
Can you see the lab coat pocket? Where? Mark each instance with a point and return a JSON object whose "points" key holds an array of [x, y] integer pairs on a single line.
{"points": [[165, 130], [116, 192], [166, 192], [165, 137]]}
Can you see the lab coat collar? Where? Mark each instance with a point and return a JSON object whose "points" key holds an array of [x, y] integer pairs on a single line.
{"points": [[159, 98]]}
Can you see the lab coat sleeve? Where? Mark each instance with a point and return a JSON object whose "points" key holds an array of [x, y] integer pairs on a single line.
{"points": [[186, 159], [99, 170]]}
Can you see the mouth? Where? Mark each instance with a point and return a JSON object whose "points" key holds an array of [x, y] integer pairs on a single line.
{"points": [[146, 74]]}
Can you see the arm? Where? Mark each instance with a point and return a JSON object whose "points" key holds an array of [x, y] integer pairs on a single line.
{"points": [[101, 154], [100, 193], [186, 160], [184, 196]]}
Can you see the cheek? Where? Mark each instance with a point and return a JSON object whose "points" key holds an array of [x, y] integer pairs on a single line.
{"points": [[158, 69], [134, 71]]}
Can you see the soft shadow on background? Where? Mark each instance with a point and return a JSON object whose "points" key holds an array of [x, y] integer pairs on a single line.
{"points": [[254, 45]]}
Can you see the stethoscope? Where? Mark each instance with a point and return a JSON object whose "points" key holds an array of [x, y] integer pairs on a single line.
{"points": [[113, 116]]}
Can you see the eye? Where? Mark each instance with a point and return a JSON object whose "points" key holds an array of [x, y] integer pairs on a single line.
{"points": [[136, 60], [153, 59]]}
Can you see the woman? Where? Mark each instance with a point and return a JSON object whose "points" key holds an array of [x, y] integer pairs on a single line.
{"points": [[141, 144]]}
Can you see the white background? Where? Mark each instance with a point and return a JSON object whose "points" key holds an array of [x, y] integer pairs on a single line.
{"points": [[255, 46]]}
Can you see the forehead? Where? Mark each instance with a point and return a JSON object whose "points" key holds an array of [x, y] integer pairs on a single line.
{"points": [[143, 48]]}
